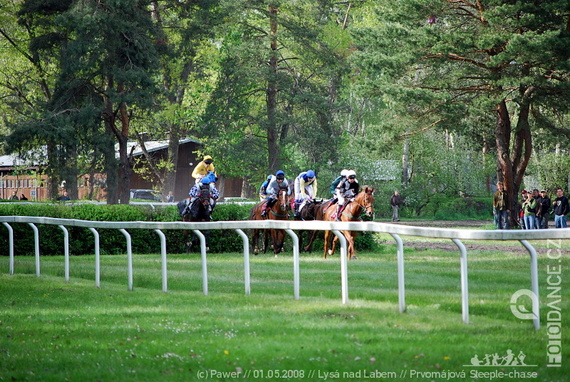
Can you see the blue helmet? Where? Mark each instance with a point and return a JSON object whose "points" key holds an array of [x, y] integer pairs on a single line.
{"points": [[280, 175], [206, 180], [310, 174], [269, 177]]}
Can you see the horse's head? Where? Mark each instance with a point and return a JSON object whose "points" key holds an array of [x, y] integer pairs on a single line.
{"points": [[366, 199], [282, 199]]}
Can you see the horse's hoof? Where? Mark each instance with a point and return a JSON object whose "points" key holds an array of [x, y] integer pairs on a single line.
{"points": [[354, 258], [207, 249], [331, 253]]}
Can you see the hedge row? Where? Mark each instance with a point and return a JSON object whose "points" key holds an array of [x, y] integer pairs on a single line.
{"points": [[112, 241]]}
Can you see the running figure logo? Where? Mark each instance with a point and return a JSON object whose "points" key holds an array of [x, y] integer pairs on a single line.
{"points": [[509, 359]]}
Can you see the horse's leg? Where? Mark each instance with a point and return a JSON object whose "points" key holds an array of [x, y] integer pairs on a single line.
{"points": [[187, 242], [312, 236], [255, 241], [351, 253], [333, 246], [279, 240], [266, 235], [326, 245], [207, 235]]}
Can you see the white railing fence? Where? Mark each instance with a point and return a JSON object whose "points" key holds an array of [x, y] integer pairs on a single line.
{"points": [[395, 230]]}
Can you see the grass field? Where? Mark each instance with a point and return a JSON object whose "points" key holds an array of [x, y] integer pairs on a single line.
{"points": [[51, 330]]}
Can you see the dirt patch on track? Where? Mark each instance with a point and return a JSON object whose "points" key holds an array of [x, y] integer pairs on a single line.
{"points": [[447, 223], [469, 224], [451, 247]]}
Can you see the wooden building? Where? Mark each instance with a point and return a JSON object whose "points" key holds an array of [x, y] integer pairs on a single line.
{"points": [[19, 178]]}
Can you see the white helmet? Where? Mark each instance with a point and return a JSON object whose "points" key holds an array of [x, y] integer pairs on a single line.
{"points": [[343, 172], [350, 172]]}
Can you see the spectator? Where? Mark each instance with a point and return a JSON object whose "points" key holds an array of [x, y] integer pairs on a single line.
{"points": [[561, 209], [501, 206], [170, 197], [529, 211], [396, 202], [15, 196], [65, 197], [543, 210], [23, 197]]}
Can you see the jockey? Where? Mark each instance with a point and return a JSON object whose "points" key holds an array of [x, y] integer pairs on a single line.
{"points": [[277, 182], [335, 183], [263, 188], [203, 168], [346, 191], [196, 191], [305, 189]]}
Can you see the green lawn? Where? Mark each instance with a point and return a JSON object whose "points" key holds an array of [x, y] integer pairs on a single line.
{"points": [[51, 330]]}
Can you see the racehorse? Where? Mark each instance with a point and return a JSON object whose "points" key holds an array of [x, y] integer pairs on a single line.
{"points": [[311, 211], [364, 201], [197, 211], [279, 211]]}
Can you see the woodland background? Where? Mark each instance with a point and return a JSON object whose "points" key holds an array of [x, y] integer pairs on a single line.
{"points": [[434, 98]]}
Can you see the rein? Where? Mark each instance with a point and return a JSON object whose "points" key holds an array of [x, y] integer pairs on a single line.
{"points": [[352, 216]]}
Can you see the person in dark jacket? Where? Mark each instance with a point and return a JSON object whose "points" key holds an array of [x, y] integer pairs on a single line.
{"points": [[561, 209], [396, 201], [543, 209]]}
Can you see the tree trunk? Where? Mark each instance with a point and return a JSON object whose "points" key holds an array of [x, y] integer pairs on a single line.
{"points": [[405, 162], [505, 165], [172, 158], [271, 96]]}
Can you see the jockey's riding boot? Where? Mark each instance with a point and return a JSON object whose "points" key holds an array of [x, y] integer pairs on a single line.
{"points": [[338, 211], [264, 213]]}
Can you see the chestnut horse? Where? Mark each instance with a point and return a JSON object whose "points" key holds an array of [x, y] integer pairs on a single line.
{"points": [[364, 201], [279, 211]]}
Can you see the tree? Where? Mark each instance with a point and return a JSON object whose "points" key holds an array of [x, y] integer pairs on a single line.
{"points": [[509, 58], [104, 57], [276, 96]]}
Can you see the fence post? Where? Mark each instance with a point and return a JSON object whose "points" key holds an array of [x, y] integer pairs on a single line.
{"points": [[245, 261], [97, 258], [11, 241], [36, 247], [533, 283], [204, 260], [343, 266], [464, 284], [401, 283], [129, 259], [296, 276], [65, 251], [163, 259]]}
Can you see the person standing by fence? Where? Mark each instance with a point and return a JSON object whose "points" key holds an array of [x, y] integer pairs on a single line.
{"points": [[501, 206], [561, 209], [542, 213], [396, 202]]}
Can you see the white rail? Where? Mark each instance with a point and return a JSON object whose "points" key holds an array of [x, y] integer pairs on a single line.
{"points": [[395, 230]]}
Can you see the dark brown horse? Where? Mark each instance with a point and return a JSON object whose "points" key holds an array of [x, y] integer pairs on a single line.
{"points": [[197, 211], [312, 210], [363, 202], [279, 211]]}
